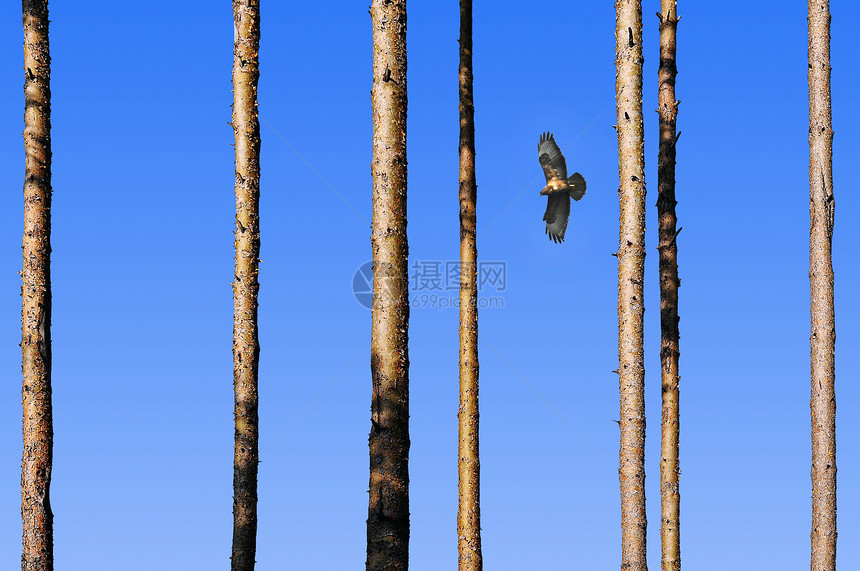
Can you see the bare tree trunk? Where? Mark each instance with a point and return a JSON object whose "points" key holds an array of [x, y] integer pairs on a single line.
{"points": [[388, 509], [631, 261], [469, 468], [823, 338], [670, 496], [246, 347], [36, 515]]}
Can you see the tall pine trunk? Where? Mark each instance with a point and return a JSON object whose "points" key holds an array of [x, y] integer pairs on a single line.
{"points": [[823, 338], [36, 515], [246, 347], [388, 509], [469, 510], [631, 261], [670, 497]]}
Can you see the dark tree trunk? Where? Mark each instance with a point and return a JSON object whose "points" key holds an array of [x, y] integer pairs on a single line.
{"points": [[670, 497]]}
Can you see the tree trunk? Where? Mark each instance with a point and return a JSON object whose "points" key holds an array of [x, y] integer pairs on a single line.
{"points": [[246, 347], [670, 497], [823, 338], [388, 509], [469, 469], [36, 515], [631, 259]]}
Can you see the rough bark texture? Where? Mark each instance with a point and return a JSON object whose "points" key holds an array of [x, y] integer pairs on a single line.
{"points": [[36, 515], [670, 497], [469, 469], [823, 338], [388, 510], [631, 261], [246, 348]]}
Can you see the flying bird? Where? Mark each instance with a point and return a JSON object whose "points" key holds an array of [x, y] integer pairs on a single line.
{"points": [[559, 188]]}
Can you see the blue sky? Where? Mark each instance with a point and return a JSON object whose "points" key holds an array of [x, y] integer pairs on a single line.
{"points": [[142, 238]]}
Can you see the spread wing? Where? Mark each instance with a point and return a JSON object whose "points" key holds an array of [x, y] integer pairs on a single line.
{"points": [[551, 159], [557, 214]]}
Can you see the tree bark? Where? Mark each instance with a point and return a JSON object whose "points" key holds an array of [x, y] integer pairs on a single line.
{"points": [[670, 497], [246, 347], [36, 515], [631, 259], [388, 509], [469, 468], [823, 337]]}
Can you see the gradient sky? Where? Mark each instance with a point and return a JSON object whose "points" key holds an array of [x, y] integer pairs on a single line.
{"points": [[143, 260]]}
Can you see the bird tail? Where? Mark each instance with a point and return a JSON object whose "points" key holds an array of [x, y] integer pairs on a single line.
{"points": [[577, 185]]}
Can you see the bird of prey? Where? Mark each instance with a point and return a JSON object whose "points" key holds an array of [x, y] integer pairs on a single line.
{"points": [[559, 188]]}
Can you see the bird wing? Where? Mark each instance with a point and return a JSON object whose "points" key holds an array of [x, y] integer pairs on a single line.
{"points": [[557, 214], [551, 159]]}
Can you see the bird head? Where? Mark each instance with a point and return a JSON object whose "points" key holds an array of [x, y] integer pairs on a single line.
{"points": [[545, 191]]}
